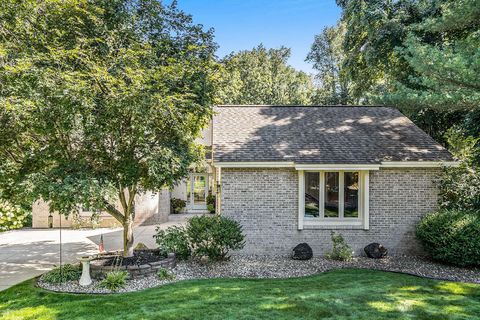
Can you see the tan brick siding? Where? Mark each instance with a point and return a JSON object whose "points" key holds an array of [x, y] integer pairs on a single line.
{"points": [[265, 202]]}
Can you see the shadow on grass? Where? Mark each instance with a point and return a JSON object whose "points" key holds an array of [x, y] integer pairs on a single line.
{"points": [[340, 294]]}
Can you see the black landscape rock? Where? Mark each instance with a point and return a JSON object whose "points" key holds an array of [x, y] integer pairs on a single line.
{"points": [[375, 251], [302, 252]]}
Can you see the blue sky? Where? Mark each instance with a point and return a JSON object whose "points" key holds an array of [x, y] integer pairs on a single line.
{"points": [[243, 24]]}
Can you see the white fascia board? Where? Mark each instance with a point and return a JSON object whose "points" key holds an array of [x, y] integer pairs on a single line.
{"points": [[418, 164], [254, 164], [337, 167]]}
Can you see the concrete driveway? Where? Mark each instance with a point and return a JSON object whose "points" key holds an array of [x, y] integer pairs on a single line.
{"points": [[28, 253]]}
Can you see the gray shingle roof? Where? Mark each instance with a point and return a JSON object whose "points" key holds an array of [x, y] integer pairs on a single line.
{"points": [[323, 135]]}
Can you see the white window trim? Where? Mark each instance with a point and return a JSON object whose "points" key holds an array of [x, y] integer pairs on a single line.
{"points": [[362, 167], [363, 202]]}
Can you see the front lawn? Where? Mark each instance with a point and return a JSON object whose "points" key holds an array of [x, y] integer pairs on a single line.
{"points": [[340, 294]]}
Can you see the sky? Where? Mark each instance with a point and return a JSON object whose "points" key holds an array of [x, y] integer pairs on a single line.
{"points": [[243, 24]]}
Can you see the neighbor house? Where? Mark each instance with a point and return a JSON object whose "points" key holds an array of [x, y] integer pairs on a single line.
{"points": [[292, 174]]}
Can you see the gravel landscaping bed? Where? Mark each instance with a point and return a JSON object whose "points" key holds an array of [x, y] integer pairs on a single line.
{"points": [[281, 267], [268, 267]]}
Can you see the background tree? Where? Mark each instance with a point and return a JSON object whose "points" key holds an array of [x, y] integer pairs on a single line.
{"points": [[423, 58], [99, 101], [445, 73], [262, 76], [327, 57]]}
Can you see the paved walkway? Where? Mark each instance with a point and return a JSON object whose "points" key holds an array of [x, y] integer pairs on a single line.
{"points": [[27, 253]]}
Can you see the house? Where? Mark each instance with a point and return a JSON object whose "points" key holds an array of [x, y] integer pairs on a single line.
{"points": [[292, 174]]}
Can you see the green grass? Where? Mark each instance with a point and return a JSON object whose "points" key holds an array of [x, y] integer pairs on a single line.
{"points": [[341, 294]]}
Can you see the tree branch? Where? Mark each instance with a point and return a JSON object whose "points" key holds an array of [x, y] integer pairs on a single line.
{"points": [[113, 211]]}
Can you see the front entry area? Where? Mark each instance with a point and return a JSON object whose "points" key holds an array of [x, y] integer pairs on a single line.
{"points": [[197, 191]]}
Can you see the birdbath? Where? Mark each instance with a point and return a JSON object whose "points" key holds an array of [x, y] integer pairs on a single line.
{"points": [[85, 279]]}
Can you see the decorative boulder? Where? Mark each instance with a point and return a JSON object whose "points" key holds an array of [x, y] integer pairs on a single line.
{"points": [[302, 252], [375, 251]]}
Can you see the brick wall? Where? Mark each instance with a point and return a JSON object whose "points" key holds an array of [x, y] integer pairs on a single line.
{"points": [[264, 201]]}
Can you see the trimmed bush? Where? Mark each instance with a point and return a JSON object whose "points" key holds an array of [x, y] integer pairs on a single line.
{"points": [[213, 237], [68, 272], [114, 280], [452, 236], [203, 236], [341, 250], [174, 239]]}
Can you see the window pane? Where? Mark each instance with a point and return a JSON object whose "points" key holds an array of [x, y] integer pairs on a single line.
{"points": [[311, 194], [189, 190], [331, 194], [351, 195], [199, 186]]}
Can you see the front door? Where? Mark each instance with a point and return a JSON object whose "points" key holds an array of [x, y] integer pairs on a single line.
{"points": [[197, 191]]}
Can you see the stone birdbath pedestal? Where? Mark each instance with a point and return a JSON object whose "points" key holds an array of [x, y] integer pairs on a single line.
{"points": [[85, 279]]}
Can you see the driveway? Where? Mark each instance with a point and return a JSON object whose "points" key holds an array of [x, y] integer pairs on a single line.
{"points": [[28, 253]]}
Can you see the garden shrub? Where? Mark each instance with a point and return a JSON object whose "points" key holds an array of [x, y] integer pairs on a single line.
{"points": [[174, 239], [114, 280], [68, 272], [204, 236], [177, 205], [211, 199], [341, 250], [165, 274], [12, 216], [214, 237], [452, 236]]}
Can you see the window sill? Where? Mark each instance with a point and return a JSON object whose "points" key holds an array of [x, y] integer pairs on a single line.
{"points": [[333, 225]]}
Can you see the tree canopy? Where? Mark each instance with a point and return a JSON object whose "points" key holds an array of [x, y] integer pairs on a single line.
{"points": [[263, 76], [100, 100], [327, 57]]}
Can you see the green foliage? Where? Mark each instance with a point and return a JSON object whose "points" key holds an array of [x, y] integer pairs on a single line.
{"points": [[177, 205], [460, 186], [68, 272], [341, 250], [327, 57], [445, 63], [11, 216], [262, 76], [100, 100], [114, 280], [203, 236], [213, 237], [211, 200], [165, 274], [174, 239], [452, 236]]}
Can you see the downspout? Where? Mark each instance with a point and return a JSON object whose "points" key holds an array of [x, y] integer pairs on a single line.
{"points": [[217, 175]]}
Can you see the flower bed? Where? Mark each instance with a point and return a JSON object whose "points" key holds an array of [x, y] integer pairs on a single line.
{"points": [[143, 263], [280, 267]]}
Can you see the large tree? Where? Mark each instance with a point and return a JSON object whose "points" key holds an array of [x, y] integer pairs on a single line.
{"points": [[99, 101], [327, 57], [263, 76], [445, 73], [401, 53]]}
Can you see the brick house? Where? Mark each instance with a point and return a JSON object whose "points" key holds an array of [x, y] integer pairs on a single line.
{"points": [[292, 174]]}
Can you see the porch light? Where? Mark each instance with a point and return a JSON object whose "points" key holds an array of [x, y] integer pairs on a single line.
{"points": [[50, 221]]}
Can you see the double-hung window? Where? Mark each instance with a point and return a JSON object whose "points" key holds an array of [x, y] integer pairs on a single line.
{"points": [[333, 199]]}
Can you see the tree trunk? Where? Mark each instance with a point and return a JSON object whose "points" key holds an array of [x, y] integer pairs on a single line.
{"points": [[128, 237]]}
